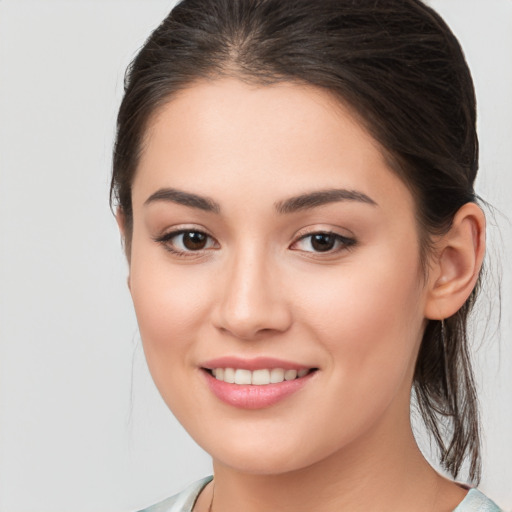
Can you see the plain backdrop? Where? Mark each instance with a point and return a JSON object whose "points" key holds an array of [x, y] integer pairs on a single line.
{"points": [[82, 427]]}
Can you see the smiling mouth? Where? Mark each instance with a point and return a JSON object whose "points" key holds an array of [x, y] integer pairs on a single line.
{"points": [[260, 377]]}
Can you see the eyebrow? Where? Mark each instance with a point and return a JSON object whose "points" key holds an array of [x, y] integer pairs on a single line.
{"points": [[321, 198], [293, 204], [185, 198]]}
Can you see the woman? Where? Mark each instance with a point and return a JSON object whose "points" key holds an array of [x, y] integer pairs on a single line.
{"points": [[294, 187]]}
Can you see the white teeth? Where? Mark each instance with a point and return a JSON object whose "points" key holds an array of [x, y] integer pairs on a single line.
{"points": [[242, 376], [260, 377], [290, 374], [229, 375], [276, 375], [257, 377]]}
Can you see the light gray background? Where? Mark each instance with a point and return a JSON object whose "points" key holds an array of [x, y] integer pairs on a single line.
{"points": [[82, 427]]}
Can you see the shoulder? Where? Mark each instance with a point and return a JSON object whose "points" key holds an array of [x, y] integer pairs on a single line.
{"points": [[475, 501], [182, 502]]}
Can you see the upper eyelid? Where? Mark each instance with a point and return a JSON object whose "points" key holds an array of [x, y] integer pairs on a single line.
{"points": [[175, 231], [339, 236], [310, 231], [321, 232]]}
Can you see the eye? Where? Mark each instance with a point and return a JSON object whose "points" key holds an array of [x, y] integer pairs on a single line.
{"points": [[186, 241], [323, 242]]}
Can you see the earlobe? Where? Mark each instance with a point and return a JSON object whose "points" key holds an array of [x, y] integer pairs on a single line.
{"points": [[460, 254]]}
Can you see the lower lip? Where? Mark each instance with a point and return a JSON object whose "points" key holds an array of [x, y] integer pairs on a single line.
{"points": [[246, 396]]}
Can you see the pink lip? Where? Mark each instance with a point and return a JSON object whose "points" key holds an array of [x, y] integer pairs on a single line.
{"points": [[249, 396], [251, 364]]}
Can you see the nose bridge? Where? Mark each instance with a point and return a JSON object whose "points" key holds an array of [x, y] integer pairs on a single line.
{"points": [[252, 300]]}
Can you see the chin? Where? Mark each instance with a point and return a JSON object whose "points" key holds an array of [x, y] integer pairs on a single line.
{"points": [[264, 457], [258, 464]]}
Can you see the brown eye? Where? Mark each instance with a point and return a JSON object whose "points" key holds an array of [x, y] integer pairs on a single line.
{"points": [[322, 242], [186, 241], [194, 240]]}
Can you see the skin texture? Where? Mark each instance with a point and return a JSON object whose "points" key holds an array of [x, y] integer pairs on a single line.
{"points": [[258, 288]]}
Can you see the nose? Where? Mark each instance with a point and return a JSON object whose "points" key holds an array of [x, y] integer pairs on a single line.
{"points": [[252, 302]]}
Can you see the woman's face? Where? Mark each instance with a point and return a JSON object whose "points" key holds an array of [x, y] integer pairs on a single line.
{"points": [[271, 238]]}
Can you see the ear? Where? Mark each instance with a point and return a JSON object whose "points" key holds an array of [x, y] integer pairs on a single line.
{"points": [[121, 224], [456, 266]]}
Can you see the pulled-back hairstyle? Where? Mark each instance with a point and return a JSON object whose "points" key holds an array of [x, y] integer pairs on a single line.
{"points": [[402, 71]]}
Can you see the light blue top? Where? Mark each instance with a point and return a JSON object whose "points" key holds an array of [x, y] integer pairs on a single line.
{"points": [[474, 501]]}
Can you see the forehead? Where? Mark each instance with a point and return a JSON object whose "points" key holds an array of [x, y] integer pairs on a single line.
{"points": [[281, 138]]}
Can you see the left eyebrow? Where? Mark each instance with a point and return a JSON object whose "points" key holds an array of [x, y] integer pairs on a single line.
{"points": [[321, 198]]}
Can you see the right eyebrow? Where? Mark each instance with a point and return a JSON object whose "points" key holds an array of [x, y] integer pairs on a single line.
{"points": [[184, 198]]}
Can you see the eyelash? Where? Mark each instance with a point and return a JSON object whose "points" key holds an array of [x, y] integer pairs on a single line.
{"points": [[343, 242]]}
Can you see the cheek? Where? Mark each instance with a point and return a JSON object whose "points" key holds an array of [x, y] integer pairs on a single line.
{"points": [[368, 314], [170, 306], [368, 319]]}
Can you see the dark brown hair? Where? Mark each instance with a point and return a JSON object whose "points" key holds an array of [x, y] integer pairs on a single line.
{"points": [[399, 67]]}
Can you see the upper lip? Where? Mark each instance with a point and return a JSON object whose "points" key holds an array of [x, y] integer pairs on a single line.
{"points": [[257, 363]]}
